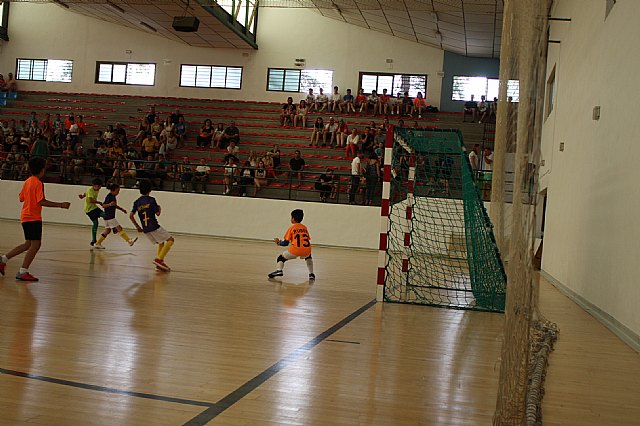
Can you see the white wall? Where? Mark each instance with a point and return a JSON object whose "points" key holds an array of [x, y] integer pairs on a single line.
{"points": [[49, 31], [592, 236], [233, 217]]}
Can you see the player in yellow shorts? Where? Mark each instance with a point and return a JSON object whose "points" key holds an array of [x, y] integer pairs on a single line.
{"points": [[298, 240]]}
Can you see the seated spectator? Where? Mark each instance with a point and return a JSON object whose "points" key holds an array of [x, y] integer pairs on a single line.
{"points": [[325, 185], [352, 143], [12, 84], [331, 130], [175, 116], [108, 134], [470, 107], [151, 115], [246, 178], [260, 178], [3, 84], [148, 170], [372, 176], [493, 109], [296, 165], [185, 172], [202, 175], [102, 149], [121, 132], [367, 140], [318, 128], [287, 113], [361, 100], [274, 154], [181, 130], [149, 145], [379, 138], [171, 141], [335, 101], [230, 173], [39, 147], [82, 127], [231, 133], [311, 100], [233, 149], [253, 158], [322, 101], [206, 135], [397, 105], [483, 109], [77, 164], [372, 102], [407, 103], [419, 105], [301, 115], [348, 102], [343, 132], [384, 103]]}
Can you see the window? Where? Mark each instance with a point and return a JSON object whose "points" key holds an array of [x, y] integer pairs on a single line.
{"points": [[394, 83], [291, 80], [551, 92], [464, 87], [125, 73], [52, 70], [214, 76], [4, 20]]}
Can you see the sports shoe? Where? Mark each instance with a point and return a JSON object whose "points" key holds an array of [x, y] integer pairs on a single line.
{"points": [[92, 243], [275, 274], [161, 265], [312, 277], [98, 246], [132, 241], [2, 266], [25, 276]]}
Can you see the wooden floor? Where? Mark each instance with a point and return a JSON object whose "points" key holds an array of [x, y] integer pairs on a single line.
{"points": [[104, 339]]}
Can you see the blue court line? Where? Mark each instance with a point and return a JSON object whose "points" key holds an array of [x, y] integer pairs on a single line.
{"points": [[235, 396]]}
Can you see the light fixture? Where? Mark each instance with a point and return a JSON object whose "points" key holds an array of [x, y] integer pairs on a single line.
{"points": [[147, 26], [115, 7]]}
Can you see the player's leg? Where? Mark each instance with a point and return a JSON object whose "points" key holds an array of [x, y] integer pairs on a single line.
{"points": [[33, 237], [102, 237], [123, 234], [280, 264], [309, 261]]}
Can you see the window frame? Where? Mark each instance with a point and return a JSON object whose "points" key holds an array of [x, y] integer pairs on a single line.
{"points": [[284, 79], [300, 71], [392, 93], [550, 93], [511, 86], [46, 68], [124, 83], [226, 67], [4, 20]]}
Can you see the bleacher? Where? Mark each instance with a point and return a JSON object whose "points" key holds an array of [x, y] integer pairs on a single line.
{"points": [[259, 130]]}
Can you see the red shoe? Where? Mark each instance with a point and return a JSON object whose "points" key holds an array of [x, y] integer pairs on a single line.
{"points": [[161, 265], [2, 265], [25, 276]]}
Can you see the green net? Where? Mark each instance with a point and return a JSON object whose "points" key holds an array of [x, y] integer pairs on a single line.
{"points": [[440, 245]]}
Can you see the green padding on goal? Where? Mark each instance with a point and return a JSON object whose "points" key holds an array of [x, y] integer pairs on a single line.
{"points": [[453, 259]]}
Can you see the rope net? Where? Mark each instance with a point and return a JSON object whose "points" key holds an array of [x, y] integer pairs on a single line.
{"points": [[440, 245], [528, 337]]}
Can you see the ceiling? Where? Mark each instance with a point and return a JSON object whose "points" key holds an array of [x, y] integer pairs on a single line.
{"points": [[467, 27]]}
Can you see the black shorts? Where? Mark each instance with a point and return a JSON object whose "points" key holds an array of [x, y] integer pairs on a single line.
{"points": [[32, 230], [95, 214]]}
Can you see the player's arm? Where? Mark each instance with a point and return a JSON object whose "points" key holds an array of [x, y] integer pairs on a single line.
{"points": [[132, 217], [158, 210], [46, 203], [280, 242], [120, 208], [81, 196]]}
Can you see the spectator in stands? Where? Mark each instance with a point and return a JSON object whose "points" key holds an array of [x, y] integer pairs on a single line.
{"points": [[301, 115], [384, 103], [331, 130], [311, 99], [156, 127], [352, 143], [233, 149], [367, 140], [39, 147], [322, 101], [202, 175], [253, 158], [108, 134], [397, 105], [296, 165], [34, 130], [287, 113], [470, 107], [82, 127], [419, 105], [379, 138], [121, 132], [407, 103], [149, 145], [206, 135], [181, 130], [260, 177], [275, 156], [151, 116], [356, 172], [171, 141], [373, 101], [231, 133], [335, 101], [487, 160], [175, 116], [348, 102], [33, 118], [77, 164], [483, 108], [230, 173], [3, 84], [361, 100], [474, 158], [185, 171], [12, 84], [372, 176], [246, 178], [325, 185], [143, 128], [217, 134], [444, 170], [343, 133], [318, 128]]}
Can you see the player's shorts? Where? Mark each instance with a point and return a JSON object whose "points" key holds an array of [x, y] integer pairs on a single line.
{"points": [[95, 214], [158, 236], [32, 230], [289, 256], [111, 223]]}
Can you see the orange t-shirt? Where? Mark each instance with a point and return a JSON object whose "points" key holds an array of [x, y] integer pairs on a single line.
{"points": [[30, 196], [419, 102], [298, 237]]}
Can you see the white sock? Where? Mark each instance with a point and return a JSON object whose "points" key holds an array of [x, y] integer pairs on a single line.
{"points": [[23, 270], [4, 259], [310, 265]]}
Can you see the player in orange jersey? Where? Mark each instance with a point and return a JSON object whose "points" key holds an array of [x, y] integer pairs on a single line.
{"points": [[298, 240]]}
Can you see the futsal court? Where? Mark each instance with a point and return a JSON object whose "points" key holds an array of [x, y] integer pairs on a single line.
{"points": [[105, 339]]}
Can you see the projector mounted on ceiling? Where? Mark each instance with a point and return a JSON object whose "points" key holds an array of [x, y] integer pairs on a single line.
{"points": [[186, 24]]}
